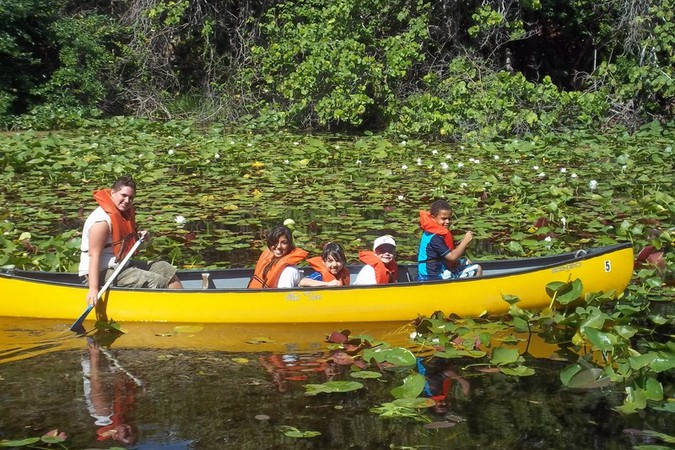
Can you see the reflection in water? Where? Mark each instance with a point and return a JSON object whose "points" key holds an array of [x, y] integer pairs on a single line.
{"points": [[443, 379], [202, 394], [110, 395]]}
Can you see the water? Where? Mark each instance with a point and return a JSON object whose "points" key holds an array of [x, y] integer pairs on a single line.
{"points": [[234, 386]]}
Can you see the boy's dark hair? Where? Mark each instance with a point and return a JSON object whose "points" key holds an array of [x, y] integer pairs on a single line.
{"points": [[438, 206], [125, 181], [334, 250], [277, 232]]}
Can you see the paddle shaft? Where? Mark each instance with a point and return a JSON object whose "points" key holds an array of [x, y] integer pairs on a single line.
{"points": [[78, 323]]}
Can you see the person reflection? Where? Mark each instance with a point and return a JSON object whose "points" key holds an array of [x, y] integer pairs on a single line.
{"points": [[440, 377], [110, 394], [296, 367]]}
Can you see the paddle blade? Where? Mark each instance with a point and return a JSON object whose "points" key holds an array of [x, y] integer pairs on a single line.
{"points": [[78, 326]]}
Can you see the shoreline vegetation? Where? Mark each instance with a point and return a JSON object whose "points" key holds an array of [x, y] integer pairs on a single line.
{"points": [[429, 70]]}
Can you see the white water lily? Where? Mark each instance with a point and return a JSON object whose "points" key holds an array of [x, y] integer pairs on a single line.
{"points": [[476, 161], [249, 145], [400, 197], [461, 147], [496, 157], [460, 165], [541, 174], [448, 156], [444, 166], [404, 167], [216, 156], [434, 152], [180, 220], [296, 143], [286, 161], [593, 185], [535, 167], [170, 152], [463, 185], [419, 161], [358, 162], [574, 175], [471, 160], [549, 241], [563, 170], [403, 143]]}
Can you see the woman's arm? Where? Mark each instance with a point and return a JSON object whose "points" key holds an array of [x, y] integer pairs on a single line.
{"points": [[98, 235]]}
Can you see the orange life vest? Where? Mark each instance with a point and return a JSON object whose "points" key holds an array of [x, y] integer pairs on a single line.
{"points": [[124, 233], [384, 273], [268, 268], [318, 265], [428, 224]]}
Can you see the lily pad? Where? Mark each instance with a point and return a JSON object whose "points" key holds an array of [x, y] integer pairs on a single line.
{"points": [[331, 387]]}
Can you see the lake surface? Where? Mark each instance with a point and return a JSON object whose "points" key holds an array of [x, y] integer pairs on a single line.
{"points": [[234, 386]]}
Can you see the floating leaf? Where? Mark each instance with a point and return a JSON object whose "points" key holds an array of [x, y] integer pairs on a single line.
{"points": [[331, 387], [502, 356], [19, 443], [519, 371], [412, 386], [365, 374], [295, 433], [188, 329]]}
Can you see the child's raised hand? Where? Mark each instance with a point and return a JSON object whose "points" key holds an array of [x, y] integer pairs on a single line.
{"points": [[468, 237]]}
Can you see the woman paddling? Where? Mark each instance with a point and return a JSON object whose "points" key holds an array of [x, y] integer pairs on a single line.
{"points": [[108, 234]]}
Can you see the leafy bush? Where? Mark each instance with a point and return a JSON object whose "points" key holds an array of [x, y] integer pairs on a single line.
{"points": [[337, 63], [470, 101]]}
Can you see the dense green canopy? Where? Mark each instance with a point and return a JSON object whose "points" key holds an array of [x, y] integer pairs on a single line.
{"points": [[446, 69]]}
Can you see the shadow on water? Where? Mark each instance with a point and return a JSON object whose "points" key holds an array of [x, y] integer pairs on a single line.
{"points": [[165, 386]]}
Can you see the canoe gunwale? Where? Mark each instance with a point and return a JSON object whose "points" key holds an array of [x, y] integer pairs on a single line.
{"points": [[502, 268]]}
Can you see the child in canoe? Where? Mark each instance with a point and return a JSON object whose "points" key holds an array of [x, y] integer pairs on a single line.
{"points": [[276, 267], [330, 268], [380, 264], [438, 256]]}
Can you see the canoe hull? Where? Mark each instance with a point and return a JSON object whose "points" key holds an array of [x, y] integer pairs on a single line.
{"points": [[605, 269]]}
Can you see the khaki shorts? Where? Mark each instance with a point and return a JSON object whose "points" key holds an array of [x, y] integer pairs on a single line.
{"points": [[151, 274]]}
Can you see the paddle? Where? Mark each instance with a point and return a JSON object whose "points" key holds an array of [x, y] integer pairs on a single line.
{"points": [[77, 326]]}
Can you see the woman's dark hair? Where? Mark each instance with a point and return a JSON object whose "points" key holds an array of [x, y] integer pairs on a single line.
{"points": [[334, 250], [277, 232], [438, 206], [125, 181]]}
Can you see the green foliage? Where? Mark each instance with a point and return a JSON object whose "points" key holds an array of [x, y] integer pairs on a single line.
{"points": [[471, 102], [643, 82], [337, 63]]}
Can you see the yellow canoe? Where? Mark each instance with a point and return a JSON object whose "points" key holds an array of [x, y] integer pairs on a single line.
{"points": [[225, 298]]}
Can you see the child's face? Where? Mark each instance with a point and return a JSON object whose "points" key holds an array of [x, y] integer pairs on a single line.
{"points": [[281, 247], [386, 253], [443, 218], [333, 265]]}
